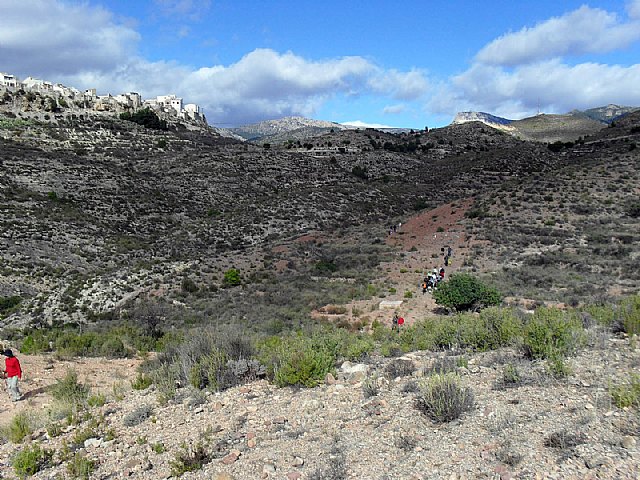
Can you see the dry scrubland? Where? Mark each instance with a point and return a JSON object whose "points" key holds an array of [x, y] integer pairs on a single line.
{"points": [[277, 260]]}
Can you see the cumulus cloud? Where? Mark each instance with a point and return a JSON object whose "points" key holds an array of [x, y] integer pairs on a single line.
{"points": [[84, 46], [265, 83], [59, 38], [553, 86], [585, 30], [519, 73], [409, 85]]}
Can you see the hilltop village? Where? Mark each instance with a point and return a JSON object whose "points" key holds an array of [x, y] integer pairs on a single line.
{"points": [[60, 99]]}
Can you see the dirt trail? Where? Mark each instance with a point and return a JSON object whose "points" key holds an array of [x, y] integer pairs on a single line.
{"points": [[419, 240], [41, 371]]}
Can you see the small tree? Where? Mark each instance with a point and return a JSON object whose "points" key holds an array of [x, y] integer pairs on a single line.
{"points": [[231, 278], [465, 292]]}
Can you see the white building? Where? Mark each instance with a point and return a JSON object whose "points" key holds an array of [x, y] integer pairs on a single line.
{"points": [[31, 83], [9, 81]]}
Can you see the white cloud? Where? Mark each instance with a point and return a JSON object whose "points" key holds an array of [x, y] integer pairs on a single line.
{"points": [[394, 109], [585, 30], [60, 38], [554, 86], [361, 124], [520, 72], [84, 46], [409, 85]]}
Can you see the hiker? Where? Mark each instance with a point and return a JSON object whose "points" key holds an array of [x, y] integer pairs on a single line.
{"points": [[12, 372], [424, 286], [449, 251], [394, 322], [441, 274]]}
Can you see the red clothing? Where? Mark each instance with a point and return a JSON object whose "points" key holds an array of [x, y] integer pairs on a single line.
{"points": [[12, 367]]}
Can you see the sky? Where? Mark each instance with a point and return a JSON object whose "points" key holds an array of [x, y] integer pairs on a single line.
{"points": [[409, 63]]}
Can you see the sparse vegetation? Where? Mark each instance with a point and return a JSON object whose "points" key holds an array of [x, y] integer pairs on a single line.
{"points": [[30, 460], [190, 458], [443, 398]]}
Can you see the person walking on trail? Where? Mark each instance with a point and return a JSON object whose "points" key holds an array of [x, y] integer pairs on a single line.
{"points": [[394, 322], [13, 373]]}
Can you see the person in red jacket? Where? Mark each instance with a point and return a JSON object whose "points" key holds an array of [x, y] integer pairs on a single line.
{"points": [[13, 373]]}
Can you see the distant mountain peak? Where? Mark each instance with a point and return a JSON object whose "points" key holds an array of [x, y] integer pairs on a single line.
{"points": [[489, 119]]}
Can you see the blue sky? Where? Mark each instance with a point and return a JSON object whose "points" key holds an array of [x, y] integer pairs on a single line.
{"points": [[410, 63]]}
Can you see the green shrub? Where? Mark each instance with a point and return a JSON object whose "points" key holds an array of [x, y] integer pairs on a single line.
{"points": [[8, 304], [96, 400], [630, 315], [626, 395], [443, 399], [511, 376], [141, 382], [19, 427], [357, 347], [158, 447], [303, 362], [31, 460], [465, 292], [113, 347], [34, 343], [557, 366], [80, 467], [69, 390], [552, 332], [231, 278], [189, 459]]}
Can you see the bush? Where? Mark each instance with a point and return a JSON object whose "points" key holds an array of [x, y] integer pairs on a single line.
{"points": [[137, 416], [552, 333], [399, 368], [18, 428], [31, 460], [370, 386], [626, 395], [443, 399], [465, 292], [80, 467], [189, 459], [629, 314], [69, 390], [8, 304], [114, 348], [231, 278], [141, 382], [302, 362]]}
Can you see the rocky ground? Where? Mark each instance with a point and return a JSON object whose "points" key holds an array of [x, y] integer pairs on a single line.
{"points": [[538, 428]]}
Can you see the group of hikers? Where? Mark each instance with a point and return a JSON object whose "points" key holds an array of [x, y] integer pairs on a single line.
{"points": [[436, 276], [431, 281], [394, 228]]}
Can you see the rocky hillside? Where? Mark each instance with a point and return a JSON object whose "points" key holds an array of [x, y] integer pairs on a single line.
{"points": [[364, 422], [262, 131], [100, 211], [551, 128]]}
